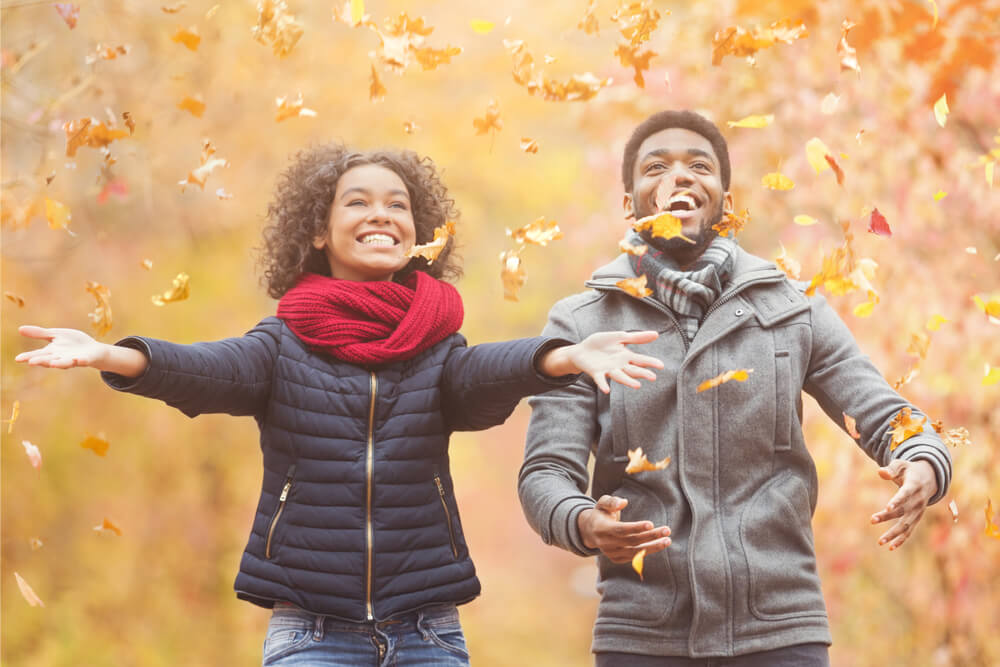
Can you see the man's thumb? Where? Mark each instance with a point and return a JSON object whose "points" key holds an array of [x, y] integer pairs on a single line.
{"points": [[611, 504]]}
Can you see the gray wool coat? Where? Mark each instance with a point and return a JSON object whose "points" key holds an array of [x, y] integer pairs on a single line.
{"points": [[740, 575]]}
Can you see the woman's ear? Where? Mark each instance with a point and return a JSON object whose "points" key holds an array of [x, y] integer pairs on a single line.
{"points": [[319, 242], [627, 205]]}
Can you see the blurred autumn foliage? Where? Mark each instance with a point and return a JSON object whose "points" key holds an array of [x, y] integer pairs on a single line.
{"points": [[140, 143]]}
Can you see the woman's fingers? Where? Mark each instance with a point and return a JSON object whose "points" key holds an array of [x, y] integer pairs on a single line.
{"points": [[644, 360], [32, 331], [637, 337]]}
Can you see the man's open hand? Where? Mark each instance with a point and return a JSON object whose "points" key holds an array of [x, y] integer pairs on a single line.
{"points": [[602, 528]]}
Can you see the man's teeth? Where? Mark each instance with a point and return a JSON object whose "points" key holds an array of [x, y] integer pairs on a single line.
{"points": [[682, 203], [378, 239]]}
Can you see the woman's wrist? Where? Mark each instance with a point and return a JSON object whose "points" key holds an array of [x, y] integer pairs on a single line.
{"points": [[556, 362]]}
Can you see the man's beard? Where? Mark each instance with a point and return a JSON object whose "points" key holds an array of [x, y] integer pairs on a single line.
{"points": [[679, 250]]}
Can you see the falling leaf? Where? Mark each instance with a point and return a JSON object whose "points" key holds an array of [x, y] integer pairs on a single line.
{"points": [[173, 9], [481, 27], [867, 308], [26, 591], [637, 561], [941, 110], [178, 292], [102, 52], [953, 437], [193, 105], [100, 319], [70, 13], [222, 194], [629, 56], [15, 298], [934, 7], [357, 11], [15, 412], [939, 195], [636, 20], [878, 225], [663, 225], [579, 87], [804, 220], [107, 526], [919, 344], [791, 267], [904, 425], [990, 375], [588, 23], [637, 462], [276, 27], [429, 58], [147, 264], [89, 132], [829, 104], [816, 153], [777, 181], [991, 307], [376, 91], [116, 187], [732, 222], [208, 165], [638, 249], [953, 508], [410, 127], [992, 530], [35, 544], [96, 444], [635, 287], [211, 11], [129, 123], [431, 250], [847, 54], [34, 454], [740, 375], [491, 122], [851, 425], [832, 161], [512, 274], [539, 232], [286, 109], [754, 122], [906, 379], [935, 322], [740, 42], [529, 145], [189, 37]]}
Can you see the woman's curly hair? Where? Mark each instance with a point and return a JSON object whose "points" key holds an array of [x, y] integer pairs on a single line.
{"points": [[300, 212]]}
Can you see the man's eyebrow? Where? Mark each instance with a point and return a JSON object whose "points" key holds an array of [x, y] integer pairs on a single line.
{"points": [[367, 192], [665, 152]]}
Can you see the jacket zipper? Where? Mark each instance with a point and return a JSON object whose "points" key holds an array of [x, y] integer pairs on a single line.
{"points": [[447, 514], [281, 508], [369, 478]]}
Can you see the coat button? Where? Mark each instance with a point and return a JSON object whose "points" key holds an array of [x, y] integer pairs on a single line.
{"points": [[739, 312]]}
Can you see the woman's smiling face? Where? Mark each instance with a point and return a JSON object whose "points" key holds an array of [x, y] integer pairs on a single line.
{"points": [[371, 225]]}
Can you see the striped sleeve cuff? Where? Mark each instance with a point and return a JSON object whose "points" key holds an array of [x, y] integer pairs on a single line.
{"points": [[915, 450]]}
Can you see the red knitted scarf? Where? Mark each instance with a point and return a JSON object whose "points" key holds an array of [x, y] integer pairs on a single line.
{"points": [[371, 322]]}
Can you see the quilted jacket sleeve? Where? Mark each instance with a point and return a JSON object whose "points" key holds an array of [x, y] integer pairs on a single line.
{"points": [[483, 384], [231, 376]]}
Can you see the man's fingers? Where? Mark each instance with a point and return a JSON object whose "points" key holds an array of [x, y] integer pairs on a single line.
{"points": [[608, 503]]}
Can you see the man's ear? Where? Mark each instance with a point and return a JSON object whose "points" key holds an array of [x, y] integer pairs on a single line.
{"points": [[727, 203], [628, 206]]}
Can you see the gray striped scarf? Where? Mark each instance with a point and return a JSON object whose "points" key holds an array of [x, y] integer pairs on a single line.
{"points": [[687, 293]]}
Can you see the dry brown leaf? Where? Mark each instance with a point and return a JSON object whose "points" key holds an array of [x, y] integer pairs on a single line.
{"points": [[89, 132], [208, 164], [15, 298], [635, 286], [732, 222], [637, 462], [540, 232], [96, 444], [904, 425], [629, 56], [588, 23], [430, 251], [512, 274], [180, 291], [410, 127], [636, 20], [276, 27], [35, 544], [740, 375], [129, 123], [26, 592], [102, 52], [738, 41], [100, 318]]}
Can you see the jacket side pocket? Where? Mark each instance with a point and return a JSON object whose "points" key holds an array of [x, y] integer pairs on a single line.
{"points": [[782, 401], [282, 499], [447, 516]]}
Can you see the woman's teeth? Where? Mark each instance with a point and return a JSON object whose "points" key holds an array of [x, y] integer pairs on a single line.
{"points": [[378, 239]]}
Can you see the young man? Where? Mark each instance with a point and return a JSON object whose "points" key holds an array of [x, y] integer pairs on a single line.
{"points": [[729, 569]]}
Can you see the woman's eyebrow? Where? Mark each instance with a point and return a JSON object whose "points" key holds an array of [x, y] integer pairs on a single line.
{"points": [[367, 192]]}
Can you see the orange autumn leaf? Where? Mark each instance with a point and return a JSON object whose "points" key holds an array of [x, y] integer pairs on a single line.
{"points": [[540, 232], [69, 12], [905, 425], [919, 344], [34, 454], [851, 426], [662, 225], [629, 56], [847, 54], [410, 127], [832, 161], [637, 562], [285, 109], [429, 58], [276, 27], [732, 222], [638, 249], [189, 37], [906, 379], [588, 23], [129, 122], [634, 286], [106, 527], [35, 544], [579, 87], [790, 265], [180, 291], [147, 264], [740, 42], [431, 250], [100, 318], [637, 462], [96, 444], [192, 105], [636, 20], [89, 132], [992, 529], [491, 121], [740, 375], [15, 298], [376, 91], [173, 9], [512, 274], [199, 175], [57, 214], [15, 412], [27, 593], [102, 52], [777, 181], [529, 145]]}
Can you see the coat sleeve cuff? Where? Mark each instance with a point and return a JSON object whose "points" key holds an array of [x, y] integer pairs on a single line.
{"points": [[564, 528], [940, 462], [551, 344], [121, 382]]}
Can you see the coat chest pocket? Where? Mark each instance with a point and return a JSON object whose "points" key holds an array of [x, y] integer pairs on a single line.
{"points": [[783, 403]]}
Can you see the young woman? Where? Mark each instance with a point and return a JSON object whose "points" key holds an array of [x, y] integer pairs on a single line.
{"points": [[356, 385]]}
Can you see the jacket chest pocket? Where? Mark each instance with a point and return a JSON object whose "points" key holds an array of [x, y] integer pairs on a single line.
{"points": [[783, 403]]}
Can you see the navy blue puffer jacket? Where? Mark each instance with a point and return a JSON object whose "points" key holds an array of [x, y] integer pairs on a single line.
{"points": [[357, 516]]}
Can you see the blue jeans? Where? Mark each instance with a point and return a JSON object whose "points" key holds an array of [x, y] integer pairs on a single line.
{"points": [[431, 636], [800, 655]]}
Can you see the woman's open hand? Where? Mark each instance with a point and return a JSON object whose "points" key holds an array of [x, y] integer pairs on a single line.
{"points": [[604, 356]]}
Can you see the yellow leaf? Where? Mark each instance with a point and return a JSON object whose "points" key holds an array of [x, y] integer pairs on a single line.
{"points": [[188, 37], [357, 11], [637, 462], [107, 526], [638, 250], [777, 181], [935, 322], [904, 425], [512, 274], [192, 105], [662, 225], [276, 27], [990, 375], [57, 214], [941, 110], [865, 309], [100, 319], [431, 250], [637, 561], [732, 222], [939, 195], [934, 6], [740, 375], [988, 169], [480, 26], [491, 122], [180, 291], [804, 220], [15, 412], [635, 287], [529, 145], [816, 152], [992, 530], [96, 444], [539, 232], [290, 109], [991, 307], [27, 593], [754, 122]]}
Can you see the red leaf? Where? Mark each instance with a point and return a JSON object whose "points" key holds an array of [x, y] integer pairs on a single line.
{"points": [[878, 224]]}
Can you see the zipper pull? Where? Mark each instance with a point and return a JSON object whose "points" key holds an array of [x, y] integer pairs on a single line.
{"points": [[437, 480], [285, 490]]}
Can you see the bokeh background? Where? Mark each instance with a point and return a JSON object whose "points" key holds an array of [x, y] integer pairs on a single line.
{"points": [[183, 492]]}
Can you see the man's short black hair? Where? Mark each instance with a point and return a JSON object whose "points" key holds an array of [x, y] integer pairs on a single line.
{"points": [[688, 120]]}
